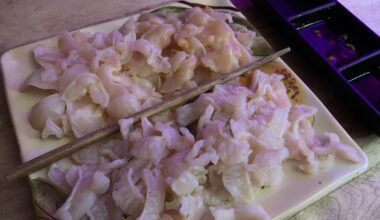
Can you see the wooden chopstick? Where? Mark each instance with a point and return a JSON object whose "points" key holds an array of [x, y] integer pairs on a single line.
{"points": [[75, 145]]}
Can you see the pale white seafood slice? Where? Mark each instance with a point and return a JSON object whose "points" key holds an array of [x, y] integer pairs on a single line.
{"points": [[86, 119], [83, 84], [51, 107]]}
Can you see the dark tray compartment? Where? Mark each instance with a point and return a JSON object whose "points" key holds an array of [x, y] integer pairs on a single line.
{"points": [[289, 8], [329, 36], [335, 34], [364, 77]]}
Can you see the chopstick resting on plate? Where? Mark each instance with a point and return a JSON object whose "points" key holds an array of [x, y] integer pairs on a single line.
{"points": [[77, 144]]}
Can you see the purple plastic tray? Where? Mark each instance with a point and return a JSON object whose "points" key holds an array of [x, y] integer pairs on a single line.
{"points": [[337, 41]]}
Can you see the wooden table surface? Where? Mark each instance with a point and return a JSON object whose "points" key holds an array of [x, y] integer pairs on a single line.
{"points": [[24, 21]]}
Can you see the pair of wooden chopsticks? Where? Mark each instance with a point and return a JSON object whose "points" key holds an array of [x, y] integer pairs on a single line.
{"points": [[69, 148]]}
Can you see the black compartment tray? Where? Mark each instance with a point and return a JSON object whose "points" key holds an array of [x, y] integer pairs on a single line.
{"points": [[334, 39]]}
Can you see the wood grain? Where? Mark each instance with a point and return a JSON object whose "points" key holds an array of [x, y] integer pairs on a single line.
{"points": [[360, 199], [23, 21]]}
